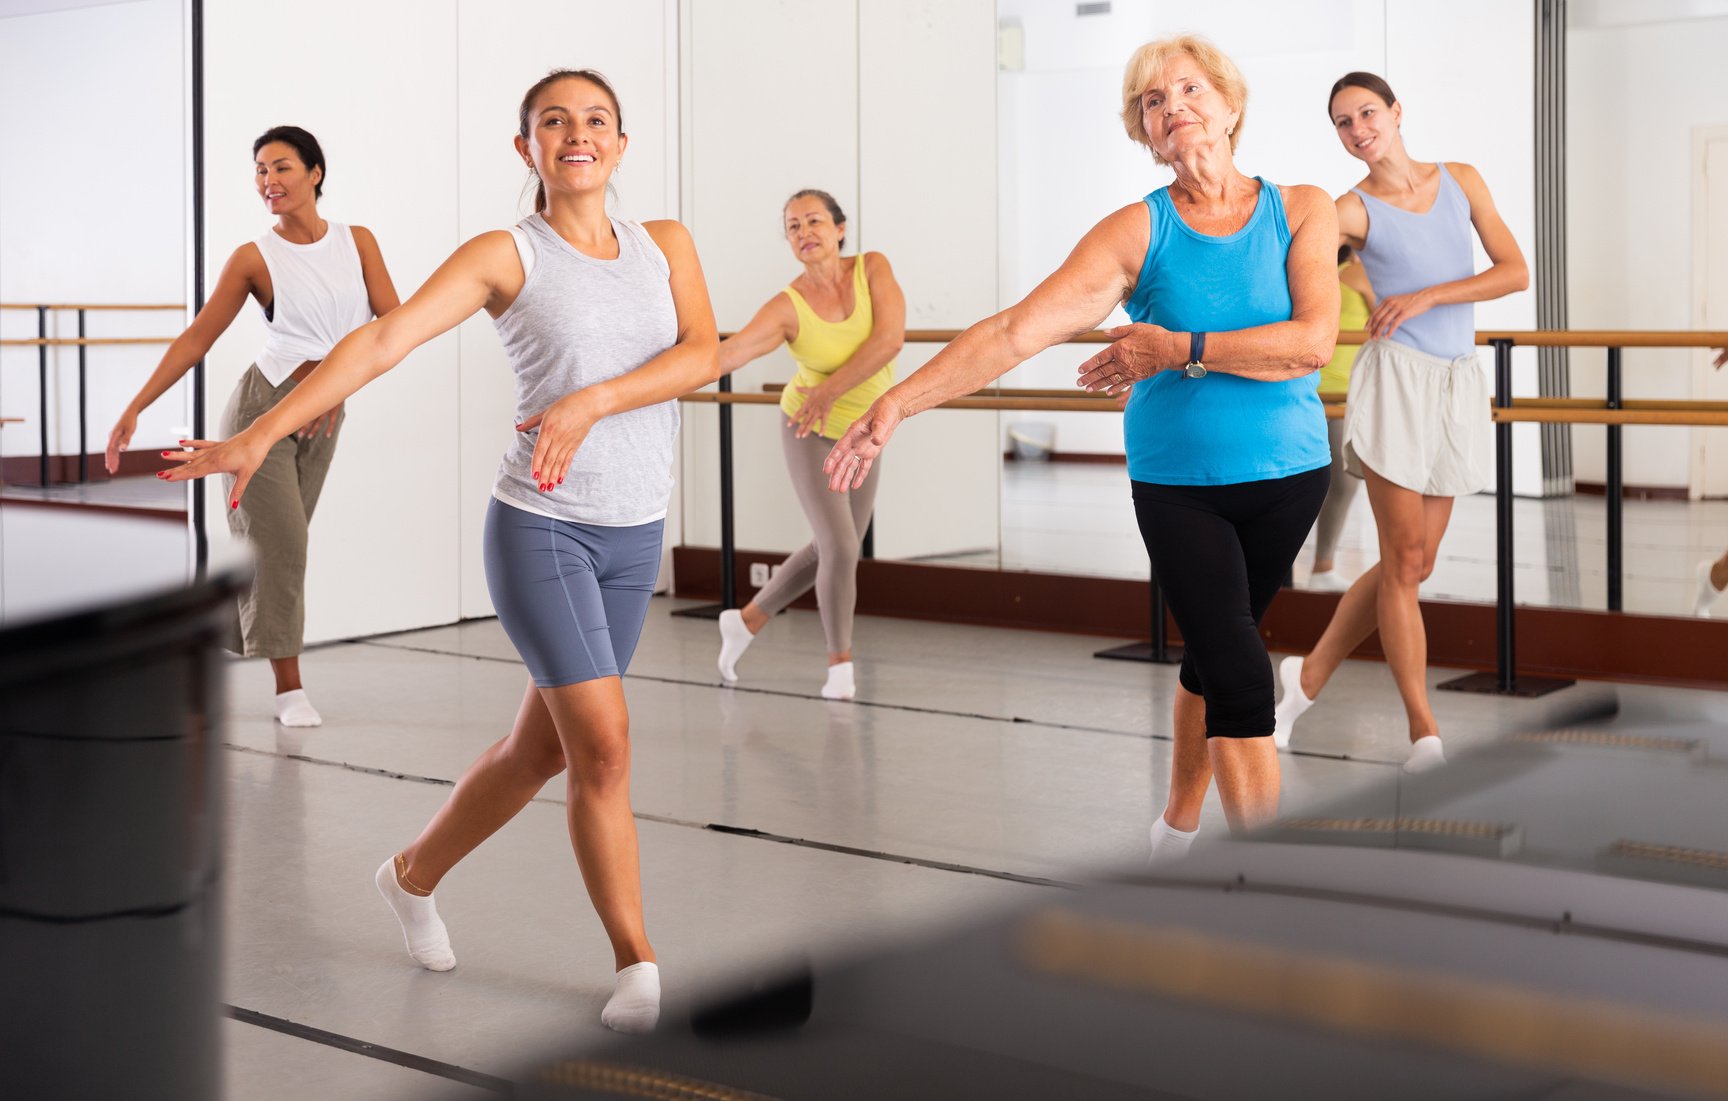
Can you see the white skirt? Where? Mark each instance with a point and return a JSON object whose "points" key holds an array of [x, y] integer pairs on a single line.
{"points": [[1419, 421]]}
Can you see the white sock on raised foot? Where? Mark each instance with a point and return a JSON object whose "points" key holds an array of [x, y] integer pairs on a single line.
{"points": [[1425, 753], [635, 1003], [1293, 703], [735, 638], [294, 709], [1707, 591], [422, 928], [1327, 581], [1169, 843], [839, 686]]}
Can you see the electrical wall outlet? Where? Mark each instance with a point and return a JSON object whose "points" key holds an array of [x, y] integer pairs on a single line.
{"points": [[758, 574]]}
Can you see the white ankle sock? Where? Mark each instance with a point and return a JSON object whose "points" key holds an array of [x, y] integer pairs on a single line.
{"points": [[635, 1003], [735, 638], [1293, 703], [1707, 591], [1169, 843], [1425, 753], [839, 686], [422, 928], [294, 709]]}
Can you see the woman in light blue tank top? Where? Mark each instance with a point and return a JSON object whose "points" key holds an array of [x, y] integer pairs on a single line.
{"points": [[1231, 283], [605, 323], [1417, 425]]}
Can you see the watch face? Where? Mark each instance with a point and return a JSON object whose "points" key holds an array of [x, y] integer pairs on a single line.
{"points": [[1196, 370]]}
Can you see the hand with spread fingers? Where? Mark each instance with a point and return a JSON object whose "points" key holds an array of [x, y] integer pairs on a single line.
{"points": [[240, 455], [1394, 310], [848, 464], [128, 424], [812, 416], [1139, 352], [563, 425], [325, 423]]}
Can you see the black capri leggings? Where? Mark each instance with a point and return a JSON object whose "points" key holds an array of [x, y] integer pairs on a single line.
{"points": [[1220, 553]]}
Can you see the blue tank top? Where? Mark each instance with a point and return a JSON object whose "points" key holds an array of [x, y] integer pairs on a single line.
{"points": [[1406, 252], [1221, 429]]}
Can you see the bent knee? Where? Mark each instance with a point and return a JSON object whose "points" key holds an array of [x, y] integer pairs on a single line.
{"points": [[1409, 564], [601, 764]]}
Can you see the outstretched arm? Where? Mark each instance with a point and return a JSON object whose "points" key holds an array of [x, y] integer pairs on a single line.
{"points": [[239, 277], [1097, 276], [776, 323], [481, 273], [686, 365]]}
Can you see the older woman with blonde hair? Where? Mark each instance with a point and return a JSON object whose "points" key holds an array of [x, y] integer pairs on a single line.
{"points": [[1232, 286]]}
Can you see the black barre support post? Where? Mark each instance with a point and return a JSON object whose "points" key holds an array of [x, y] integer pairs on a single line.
{"points": [[1158, 651], [728, 544], [42, 380], [1504, 681], [1616, 490], [83, 409]]}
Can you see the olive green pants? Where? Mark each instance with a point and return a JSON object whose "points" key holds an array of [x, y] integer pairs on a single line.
{"points": [[273, 518]]}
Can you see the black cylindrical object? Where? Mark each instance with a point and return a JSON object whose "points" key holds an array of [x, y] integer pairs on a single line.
{"points": [[1506, 643], [1616, 490], [728, 544], [110, 849]]}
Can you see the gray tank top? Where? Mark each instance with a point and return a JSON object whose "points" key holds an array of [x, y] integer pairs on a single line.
{"points": [[579, 321], [1406, 252]]}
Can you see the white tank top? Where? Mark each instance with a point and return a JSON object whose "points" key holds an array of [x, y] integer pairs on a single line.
{"points": [[318, 297]]}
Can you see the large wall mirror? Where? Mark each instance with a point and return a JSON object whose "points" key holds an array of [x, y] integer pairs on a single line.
{"points": [[93, 217]]}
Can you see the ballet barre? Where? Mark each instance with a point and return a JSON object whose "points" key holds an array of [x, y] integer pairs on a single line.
{"points": [[42, 342], [1613, 413]]}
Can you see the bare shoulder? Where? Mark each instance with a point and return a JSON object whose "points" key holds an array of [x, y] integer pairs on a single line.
{"points": [[669, 234], [1469, 179], [363, 237], [875, 262], [1302, 200]]}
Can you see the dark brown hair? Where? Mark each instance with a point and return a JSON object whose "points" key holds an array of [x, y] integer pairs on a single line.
{"points": [[834, 210], [1366, 81], [545, 82], [311, 154]]}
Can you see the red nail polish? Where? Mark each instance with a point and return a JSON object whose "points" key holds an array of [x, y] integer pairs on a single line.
{"points": [[162, 474], [233, 504]]}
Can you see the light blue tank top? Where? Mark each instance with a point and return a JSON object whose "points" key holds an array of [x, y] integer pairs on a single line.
{"points": [[1406, 252], [1220, 429]]}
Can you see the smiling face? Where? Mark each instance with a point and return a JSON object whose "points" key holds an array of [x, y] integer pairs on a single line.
{"points": [[1182, 110], [811, 230], [282, 179], [1365, 124], [574, 142]]}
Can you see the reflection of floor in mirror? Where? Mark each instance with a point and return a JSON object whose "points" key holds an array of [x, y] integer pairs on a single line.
{"points": [[1079, 518], [56, 559], [975, 763], [137, 492]]}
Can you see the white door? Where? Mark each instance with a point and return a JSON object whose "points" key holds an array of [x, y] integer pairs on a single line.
{"points": [[1709, 476]]}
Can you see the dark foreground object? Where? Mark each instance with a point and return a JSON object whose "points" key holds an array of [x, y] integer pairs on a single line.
{"points": [[1544, 918], [110, 827]]}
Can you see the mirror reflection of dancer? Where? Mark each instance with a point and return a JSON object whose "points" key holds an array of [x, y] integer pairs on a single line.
{"points": [[1232, 284], [605, 324], [1356, 299], [844, 320], [316, 281], [1418, 424]]}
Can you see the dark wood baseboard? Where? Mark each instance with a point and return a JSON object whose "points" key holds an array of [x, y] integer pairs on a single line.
{"points": [[26, 470], [131, 512], [1551, 642], [1072, 457], [1634, 493]]}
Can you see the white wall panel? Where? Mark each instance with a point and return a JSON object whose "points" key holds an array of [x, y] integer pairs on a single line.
{"points": [[377, 84]]}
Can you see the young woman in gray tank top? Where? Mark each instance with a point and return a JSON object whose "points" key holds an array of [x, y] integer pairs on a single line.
{"points": [[606, 323], [1417, 425]]}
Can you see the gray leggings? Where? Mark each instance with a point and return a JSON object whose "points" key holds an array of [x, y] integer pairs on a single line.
{"points": [[1338, 496], [830, 561]]}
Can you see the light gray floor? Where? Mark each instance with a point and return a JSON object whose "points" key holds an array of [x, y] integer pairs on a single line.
{"points": [[976, 766], [1078, 518]]}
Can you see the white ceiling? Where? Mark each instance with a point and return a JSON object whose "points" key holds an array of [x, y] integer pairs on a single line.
{"points": [[9, 8]]}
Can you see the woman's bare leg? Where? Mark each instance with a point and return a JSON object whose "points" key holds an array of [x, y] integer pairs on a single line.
{"points": [[1246, 771], [1190, 763]]}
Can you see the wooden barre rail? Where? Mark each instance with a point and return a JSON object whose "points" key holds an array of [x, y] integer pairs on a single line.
{"points": [[1523, 338], [1524, 410], [88, 306], [83, 341]]}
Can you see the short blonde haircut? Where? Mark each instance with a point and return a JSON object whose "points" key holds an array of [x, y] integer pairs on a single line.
{"points": [[1147, 66]]}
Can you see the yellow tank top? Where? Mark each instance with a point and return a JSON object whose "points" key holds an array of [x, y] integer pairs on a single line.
{"points": [[822, 347], [1352, 314]]}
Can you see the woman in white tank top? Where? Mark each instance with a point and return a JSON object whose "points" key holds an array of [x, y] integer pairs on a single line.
{"points": [[606, 324], [316, 282]]}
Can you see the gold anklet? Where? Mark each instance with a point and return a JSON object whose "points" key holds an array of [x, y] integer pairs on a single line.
{"points": [[408, 884]]}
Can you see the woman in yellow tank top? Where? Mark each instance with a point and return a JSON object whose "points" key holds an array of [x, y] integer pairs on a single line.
{"points": [[1356, 300], [843, 320]]}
